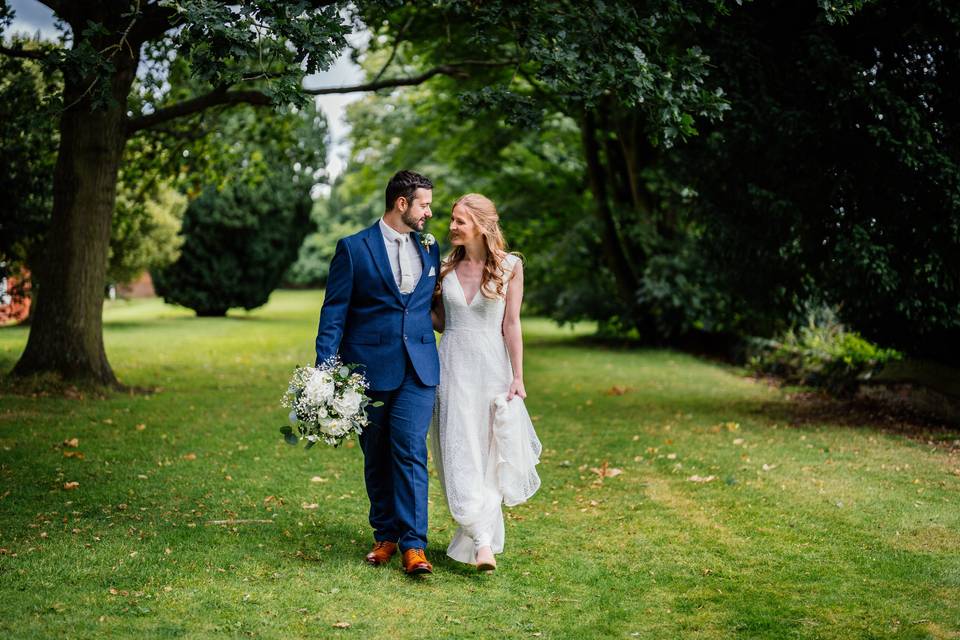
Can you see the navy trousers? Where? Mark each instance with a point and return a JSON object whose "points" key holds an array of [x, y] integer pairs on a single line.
{"points": [[395, 462]]}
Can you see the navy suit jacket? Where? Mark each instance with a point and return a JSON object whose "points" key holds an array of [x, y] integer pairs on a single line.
{"points": [[369, 322]]}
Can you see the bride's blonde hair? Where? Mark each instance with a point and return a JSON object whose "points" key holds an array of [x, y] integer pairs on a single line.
{"points": [[484, 214]]}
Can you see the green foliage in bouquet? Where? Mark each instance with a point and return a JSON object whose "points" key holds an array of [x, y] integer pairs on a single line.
{"points": [[821, 353]]}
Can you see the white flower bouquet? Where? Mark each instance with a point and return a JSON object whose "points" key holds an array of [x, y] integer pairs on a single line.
{"points": [[327, 403]]}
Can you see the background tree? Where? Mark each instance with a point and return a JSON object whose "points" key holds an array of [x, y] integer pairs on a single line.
{"points": [[238, 242], [28, 144], [144, 234], [243, 231], [835, 177]]}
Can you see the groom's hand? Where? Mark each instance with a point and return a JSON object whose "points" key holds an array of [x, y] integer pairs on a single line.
{"points": [[516, 389]]}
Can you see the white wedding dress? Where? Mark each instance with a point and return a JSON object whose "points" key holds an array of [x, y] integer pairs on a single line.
{"points": [[484, 448]]}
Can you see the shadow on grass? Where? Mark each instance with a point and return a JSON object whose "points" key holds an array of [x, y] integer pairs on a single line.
{"points": [[803, 408], [126, 325], [339, 554]]}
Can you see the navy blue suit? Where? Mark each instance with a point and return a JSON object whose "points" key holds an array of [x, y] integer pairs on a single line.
{"points": [[369, 322]]}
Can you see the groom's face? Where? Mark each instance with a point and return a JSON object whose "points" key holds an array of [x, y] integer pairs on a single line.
{"points": [[418, 211]]}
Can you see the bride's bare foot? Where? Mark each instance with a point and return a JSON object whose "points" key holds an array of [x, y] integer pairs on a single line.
{"points": [[485, 559]]}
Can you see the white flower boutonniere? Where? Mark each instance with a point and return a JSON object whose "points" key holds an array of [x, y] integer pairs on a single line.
{"points": [[427, 240]]}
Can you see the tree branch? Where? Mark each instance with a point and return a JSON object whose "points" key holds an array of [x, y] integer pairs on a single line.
{"points": [[156, 21], [20, 52], [396, 45], [215, 98], [54, 5], [451, 69]]}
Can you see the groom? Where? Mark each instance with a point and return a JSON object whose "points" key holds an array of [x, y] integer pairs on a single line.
{"points": [[376, 313]]}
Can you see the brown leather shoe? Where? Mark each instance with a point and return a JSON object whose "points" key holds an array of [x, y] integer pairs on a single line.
{"points": [[415, 562], [382, 552]]}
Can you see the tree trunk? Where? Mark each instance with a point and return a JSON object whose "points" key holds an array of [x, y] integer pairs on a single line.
{"points": [[66, 334], [613, 250]]}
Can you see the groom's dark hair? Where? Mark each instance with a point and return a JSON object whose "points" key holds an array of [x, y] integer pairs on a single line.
{"points": [[405, 183]]}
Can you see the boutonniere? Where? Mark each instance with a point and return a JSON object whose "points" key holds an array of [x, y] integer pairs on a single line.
{"points": [[427, 240]]}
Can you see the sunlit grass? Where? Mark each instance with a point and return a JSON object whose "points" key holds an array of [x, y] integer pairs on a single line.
{"points": [[812, 531]]}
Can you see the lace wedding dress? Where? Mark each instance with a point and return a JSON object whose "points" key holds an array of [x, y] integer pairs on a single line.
{"points": [[484, 448]]}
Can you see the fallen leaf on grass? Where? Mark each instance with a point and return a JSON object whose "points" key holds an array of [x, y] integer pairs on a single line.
{"points": [[69, 486], [190, 456], [141, 427], [272, 500], [310, 506], [606, 471], [738, 441], [72, 442], [341, 625], [702, 478], [616, 390], [73, 454], [317, 479], [769, 467]]}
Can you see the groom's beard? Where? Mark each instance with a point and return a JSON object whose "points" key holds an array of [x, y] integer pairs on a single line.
{"points": [[412, 221]]}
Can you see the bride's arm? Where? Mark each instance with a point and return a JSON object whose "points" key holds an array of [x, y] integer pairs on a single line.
{"points": [[511, 331]]}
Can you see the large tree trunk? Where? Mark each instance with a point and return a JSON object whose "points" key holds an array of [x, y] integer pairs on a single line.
{"points": [[613, 249], [66, 335]]}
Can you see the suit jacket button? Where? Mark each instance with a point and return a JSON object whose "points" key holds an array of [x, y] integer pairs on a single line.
{"points": [[404, 337]]}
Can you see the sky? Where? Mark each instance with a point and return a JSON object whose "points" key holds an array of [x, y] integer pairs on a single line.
{"points": [[32, 17]]}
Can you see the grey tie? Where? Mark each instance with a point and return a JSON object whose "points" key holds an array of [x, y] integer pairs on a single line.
{"points": [[406, 271]]}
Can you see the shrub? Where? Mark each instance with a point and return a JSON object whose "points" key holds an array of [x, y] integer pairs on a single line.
{"points": [[238, 243], [822, 353]]}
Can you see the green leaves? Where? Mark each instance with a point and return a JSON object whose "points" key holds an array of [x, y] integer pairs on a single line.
{"points": [[279, 42], [288, 435]]}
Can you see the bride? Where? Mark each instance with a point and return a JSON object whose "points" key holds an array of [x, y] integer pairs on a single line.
{"points": [[484, 445]]}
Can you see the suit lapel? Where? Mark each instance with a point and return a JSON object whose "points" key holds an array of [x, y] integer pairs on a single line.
{"points": [[375, 243]]}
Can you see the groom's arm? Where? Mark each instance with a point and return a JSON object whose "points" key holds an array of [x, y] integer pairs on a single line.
{"points": [[336, 301]]}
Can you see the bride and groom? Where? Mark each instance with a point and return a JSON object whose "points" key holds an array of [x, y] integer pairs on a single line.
{"points": [[387, 291]]}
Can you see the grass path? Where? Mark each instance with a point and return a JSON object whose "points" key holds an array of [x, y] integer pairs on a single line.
{"points": [[805, 531]]}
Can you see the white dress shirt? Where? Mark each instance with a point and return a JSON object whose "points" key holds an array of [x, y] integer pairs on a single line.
{"points": [[406, 242]]}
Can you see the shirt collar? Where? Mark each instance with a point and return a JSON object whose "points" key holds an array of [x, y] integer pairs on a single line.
{"points": [[390, 234]]}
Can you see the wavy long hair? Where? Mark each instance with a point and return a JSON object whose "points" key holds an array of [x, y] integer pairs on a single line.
{"points": [[484, 214]]}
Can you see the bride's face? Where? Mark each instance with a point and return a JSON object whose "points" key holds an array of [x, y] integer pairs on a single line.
{"points": [[463, 230]]}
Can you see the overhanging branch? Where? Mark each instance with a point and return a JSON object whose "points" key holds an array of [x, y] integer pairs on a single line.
{"points": [[451, 69], [20, 52], [221, 96], [215, 98]]}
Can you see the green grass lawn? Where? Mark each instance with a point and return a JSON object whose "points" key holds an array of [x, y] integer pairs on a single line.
{"points": [[807, 529]]}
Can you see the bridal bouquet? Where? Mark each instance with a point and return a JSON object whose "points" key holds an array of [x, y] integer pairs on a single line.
{"points": [[327, 403]]}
